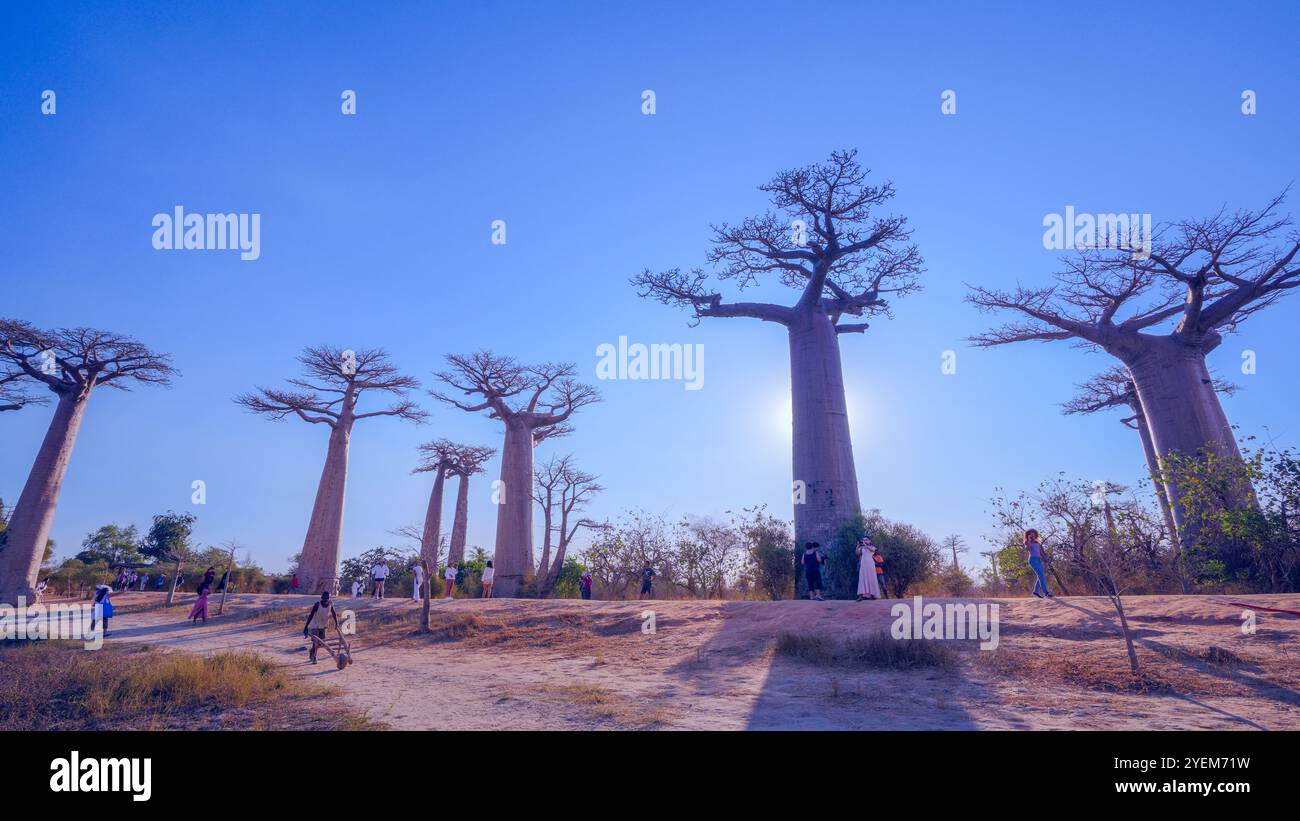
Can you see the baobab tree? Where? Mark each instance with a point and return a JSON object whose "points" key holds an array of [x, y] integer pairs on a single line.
{"points": [[1160, 309], [526, 399], [826, 241], [469, 461], [445, 458], [562, 491], [71, 363], [1114, 388], [329, 394]]}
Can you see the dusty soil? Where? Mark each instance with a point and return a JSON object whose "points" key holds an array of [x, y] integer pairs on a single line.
{"points": [[519, 664]]}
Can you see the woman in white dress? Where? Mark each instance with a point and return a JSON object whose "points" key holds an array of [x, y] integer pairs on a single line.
{"points": [[868, 586]]}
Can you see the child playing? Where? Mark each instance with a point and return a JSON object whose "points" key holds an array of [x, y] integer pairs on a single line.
{"points": [[317, 622], [103, 606]]}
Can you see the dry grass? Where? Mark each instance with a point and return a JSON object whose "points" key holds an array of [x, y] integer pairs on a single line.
{"points": [[61, 686], [876, 650]]}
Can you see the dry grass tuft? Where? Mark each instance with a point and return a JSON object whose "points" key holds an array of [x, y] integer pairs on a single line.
{"points": [[61, 686], [876, 650]]}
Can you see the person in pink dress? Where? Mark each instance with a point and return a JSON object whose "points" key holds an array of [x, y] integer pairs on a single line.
{"points": [[200, 608]]}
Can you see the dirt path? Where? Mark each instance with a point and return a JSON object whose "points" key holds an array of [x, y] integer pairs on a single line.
{"points": [[515, 664]]}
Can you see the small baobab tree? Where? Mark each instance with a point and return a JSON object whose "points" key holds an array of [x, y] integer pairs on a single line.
{"points": [[563, 492], [827, 241], [526, 399], [469, 461], [71, 363], [1160, 306], [329, 393]]}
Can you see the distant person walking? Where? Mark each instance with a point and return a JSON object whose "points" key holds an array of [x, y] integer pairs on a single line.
{"points": [[160, 581], [584, 584], [812, 569], [103, 606], [419, 581], [144, 581], [318, 620], [1035, 551], [647, 581], [489, 573], [868, 584], [379, 574], [449, 581], [293, 584], [200, 608]]}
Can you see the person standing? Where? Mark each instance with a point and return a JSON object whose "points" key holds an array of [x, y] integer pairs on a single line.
{"points": [[449, 581], [293, 583], [103, 606], [489, 573], [200, 608], [144, 581], [357, 588], [812, 569], [647, 581], [880, 573], [419, 581], [379, 574], [868, 584], [1035, 551], [584, 584], [318, 620]]}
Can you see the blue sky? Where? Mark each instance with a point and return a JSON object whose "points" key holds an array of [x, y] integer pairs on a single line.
{"points": [[375, 230]]}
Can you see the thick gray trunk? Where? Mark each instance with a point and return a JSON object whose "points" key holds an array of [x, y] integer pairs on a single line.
{"points": [[1182, 410], [459, 523], [513, 556], [29, 526], [823, 450], [318, 567], [433, 525]]}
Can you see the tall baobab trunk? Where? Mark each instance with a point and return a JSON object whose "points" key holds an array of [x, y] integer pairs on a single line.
{"points": [[1182, 410], [459, 523], [1153, 470], [29, 526], [318, 566], [513, 558], [433, 525], [823, 450]]}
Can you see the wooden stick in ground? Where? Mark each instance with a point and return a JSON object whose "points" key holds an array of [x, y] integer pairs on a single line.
{"points": [[230, 579]]}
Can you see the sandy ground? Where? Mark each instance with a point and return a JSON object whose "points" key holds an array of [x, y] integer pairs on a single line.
{"points": [[710, 665]]}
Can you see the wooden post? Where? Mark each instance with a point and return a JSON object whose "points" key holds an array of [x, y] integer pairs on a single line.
{"points": [[230, 579], [171, 593]]}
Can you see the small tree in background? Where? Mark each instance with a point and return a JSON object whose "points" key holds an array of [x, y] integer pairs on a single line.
{"points": [[168, 540], [769, 550]]}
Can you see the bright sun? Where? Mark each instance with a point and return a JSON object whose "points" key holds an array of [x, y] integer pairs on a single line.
{"points": [[781, 415]]}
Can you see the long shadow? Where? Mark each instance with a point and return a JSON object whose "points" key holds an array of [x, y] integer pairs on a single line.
{"points": [[1229, 673], [794, 694]]}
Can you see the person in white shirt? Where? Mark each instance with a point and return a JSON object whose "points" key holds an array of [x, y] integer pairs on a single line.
{"points": [[357, 587], [449, 578], [379, 573], [419, 581], [488, 574]]}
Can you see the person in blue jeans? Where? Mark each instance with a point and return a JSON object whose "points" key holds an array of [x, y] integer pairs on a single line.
{"points": [[1036, 562]]}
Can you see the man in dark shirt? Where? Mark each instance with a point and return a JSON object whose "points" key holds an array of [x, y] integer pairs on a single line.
{"points": [[647, 581]]}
